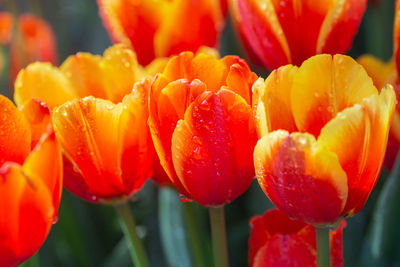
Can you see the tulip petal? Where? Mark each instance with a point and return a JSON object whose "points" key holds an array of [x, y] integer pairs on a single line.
{"points": [[165, 111], [133, 23], [84, 72], [38, 115], [209, 155], [80, 127], [15, 134], [341, 83], [43, 82], [259, 18], [200, 23], [273, 110], [302, 178], [358, 136], [340, 25], [135, 146], [35, 191]]}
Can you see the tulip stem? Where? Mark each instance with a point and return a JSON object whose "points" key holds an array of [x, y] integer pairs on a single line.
{"points": [[128, 225], [322, 235], [194, 235], [218, 233]]}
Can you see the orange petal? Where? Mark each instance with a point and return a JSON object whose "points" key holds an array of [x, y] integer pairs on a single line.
{"points": [[35, 191], [340, 26], [187, 25], [135, 142], [341, 83], [380, 72], [45, 83], [93, 148], [84, 72], [272, 108], [38, 115], [358, 136], [133, 23], [15, 134], [119, 64], [209, 155], [302, 178], [259, 18], [165, 111]]}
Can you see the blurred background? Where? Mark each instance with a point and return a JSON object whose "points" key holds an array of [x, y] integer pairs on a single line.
{"points": [[90, 235]]}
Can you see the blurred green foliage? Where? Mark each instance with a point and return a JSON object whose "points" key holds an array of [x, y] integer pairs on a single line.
{"points": [[89, 235]]}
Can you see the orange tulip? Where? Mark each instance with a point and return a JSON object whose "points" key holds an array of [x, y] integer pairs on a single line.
{"points": [[101, 163], [30, 182], [164, 27], [322, 140], [280, 32], [33, 41], [199, 116], [276, 240]]}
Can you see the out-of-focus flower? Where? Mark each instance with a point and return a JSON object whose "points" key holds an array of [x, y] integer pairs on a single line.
{"points": [[163, 28], [322, 140], [102, 162], [276, 33], [200, 121], [33, 40], [276, 240], [30, 183]]}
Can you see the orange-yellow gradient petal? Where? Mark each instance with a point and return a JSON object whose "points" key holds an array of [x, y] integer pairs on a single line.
{"points": [[301, 177], [271, 101], [380, 72], [159, 28], [341, 83], [38, 115], [108, 158], [15, 134], [358, 136], [210, 158], [35, 191], [43, 82]]}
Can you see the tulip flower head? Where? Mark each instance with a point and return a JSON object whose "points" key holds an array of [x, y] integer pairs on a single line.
{"points": [[33, 40], [322, 141], [276, 33], [99, 120], [276, 240], [163, 28], [200, 121], [30, 182]]}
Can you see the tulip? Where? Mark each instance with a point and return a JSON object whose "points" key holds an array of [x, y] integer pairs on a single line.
{"points": [[163, 28], [322, 141], [276, 240], [33, 41], [199, 139], [30, 182], [276, 33], [200, 114]]}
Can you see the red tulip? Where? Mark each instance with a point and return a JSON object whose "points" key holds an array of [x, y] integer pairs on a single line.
{"points": [[276, 240], [282, 32], [30, 183], [199, 116]]}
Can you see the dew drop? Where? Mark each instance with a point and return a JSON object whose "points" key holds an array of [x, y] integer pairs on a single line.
{"points": [[55, 220]]}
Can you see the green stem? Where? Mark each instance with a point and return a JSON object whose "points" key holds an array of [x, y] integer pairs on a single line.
{"points": [[218, 232], [128, 225], [32, 262], [194, 235], [322, 235]]}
